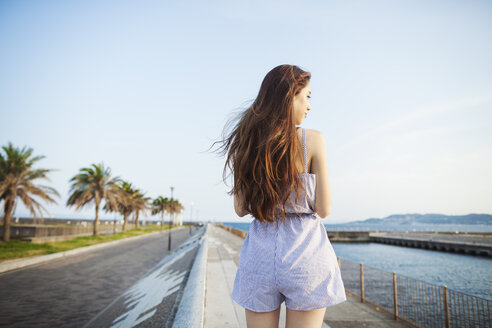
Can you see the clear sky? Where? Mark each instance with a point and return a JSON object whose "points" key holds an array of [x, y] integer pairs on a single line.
{"points": [[401, 90]]}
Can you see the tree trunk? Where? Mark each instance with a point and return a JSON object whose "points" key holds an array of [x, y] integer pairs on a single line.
{"points": [[96, 221], [162, 220], [125, 218], [136, 220], [6, 221]]}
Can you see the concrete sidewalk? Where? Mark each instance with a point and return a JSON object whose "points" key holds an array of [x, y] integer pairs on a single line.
{"points": [[221, 311]]}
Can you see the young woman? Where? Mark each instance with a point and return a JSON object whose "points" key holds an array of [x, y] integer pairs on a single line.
{"points": [[281, 178]]}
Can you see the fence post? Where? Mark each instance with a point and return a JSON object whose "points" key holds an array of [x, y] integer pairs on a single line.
{"points": [[446, 307], [362, 283], [395, 296]]}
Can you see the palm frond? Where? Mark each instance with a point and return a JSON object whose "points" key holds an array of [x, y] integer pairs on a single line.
{"points": [[18, 177]]}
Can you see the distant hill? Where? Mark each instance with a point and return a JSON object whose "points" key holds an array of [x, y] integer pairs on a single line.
{"points": [[431, 218]]}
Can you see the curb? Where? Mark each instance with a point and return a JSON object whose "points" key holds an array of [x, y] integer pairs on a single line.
{"points": [[21, 263], [191, 309]]}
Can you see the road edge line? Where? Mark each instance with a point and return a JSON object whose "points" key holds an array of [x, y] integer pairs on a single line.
{"points": [[191, 309]]}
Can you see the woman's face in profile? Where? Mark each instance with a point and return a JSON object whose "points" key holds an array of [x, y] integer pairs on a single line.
{"points": [[301, 104]]}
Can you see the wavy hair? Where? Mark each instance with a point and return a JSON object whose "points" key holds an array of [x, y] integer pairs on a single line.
{"points": [[263, 148]]}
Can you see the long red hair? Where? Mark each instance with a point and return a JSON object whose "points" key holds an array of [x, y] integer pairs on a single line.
{"points": [[263, 147]]}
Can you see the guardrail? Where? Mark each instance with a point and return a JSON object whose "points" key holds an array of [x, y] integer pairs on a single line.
{"points": [[421, 303]]}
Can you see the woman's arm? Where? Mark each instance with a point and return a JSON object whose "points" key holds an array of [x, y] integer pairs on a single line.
{"points": [[239, 205], [319, 166]]}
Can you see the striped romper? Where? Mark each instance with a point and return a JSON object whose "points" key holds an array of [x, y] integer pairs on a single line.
{"points": [[291, 261]]}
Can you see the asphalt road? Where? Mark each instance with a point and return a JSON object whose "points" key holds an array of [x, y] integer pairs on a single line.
{"points": [[69, 292]]}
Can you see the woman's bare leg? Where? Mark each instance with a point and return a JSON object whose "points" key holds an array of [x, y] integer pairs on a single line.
{"points": [[304, 319], [262, 319]]}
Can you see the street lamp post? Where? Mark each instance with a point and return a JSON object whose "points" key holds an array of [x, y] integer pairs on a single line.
{"points": [[191, 215], [172, 216]]}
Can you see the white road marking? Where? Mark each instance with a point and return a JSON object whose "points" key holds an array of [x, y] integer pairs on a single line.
{"points": [[151, 290]]}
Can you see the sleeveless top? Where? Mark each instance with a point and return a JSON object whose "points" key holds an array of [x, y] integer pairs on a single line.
{"points": [[305, 202], [291, 260]]}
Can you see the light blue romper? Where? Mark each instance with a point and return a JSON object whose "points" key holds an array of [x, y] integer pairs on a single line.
{"points": [[292, 260]]}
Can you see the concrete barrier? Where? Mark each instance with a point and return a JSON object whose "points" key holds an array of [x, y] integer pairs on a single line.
{"points": [[349, 236], [42, 232], [192, 306], [235, 231], [445, 246]]}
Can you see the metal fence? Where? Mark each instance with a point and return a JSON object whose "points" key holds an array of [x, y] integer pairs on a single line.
{"points": [[420, 303]]}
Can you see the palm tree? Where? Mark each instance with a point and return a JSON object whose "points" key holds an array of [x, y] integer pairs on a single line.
{"points": [[160, 205], [124, 202], [16, 180], [140, 204], [176, 207], [93, 184]]}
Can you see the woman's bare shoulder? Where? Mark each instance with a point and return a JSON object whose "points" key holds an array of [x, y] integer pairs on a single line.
{"points": [[315, 137], [313, 132]]}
